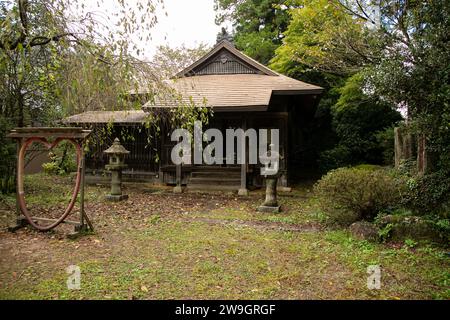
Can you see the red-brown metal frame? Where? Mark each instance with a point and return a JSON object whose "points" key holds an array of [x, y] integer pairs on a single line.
{"points": [[20, 174]]}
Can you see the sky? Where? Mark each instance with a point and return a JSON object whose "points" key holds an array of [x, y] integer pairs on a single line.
{"points": [[188, 22]]}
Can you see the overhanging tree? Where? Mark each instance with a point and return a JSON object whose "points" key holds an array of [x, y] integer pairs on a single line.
{"points": [[258, 24], [60, 57]]}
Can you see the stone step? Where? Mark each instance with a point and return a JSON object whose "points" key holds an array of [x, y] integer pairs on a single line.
{"points": [[219, 174], [215, 181], [208, 187], [216, 169]]}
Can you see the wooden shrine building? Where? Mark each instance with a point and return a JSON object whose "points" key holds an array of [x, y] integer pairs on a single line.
{"points": [[243, 94]]}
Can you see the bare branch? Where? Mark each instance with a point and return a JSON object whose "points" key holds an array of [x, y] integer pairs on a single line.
{"points": [[40, 40], [364, 11], [353, 12]]}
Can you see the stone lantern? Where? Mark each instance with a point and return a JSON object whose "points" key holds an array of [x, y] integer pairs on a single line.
{"points": [[116, 154], [271, 176]]}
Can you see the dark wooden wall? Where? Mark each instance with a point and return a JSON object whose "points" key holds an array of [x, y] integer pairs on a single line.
{"points": [[135, 138]]}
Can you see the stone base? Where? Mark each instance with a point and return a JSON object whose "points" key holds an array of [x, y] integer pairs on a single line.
{"points": [[20, 223], [284, 189], [116, 198], [269, 209], [177, 189], [78, 231], [364, 230], [243, 192]]}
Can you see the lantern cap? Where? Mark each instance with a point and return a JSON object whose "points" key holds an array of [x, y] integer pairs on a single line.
{"points": [[116, 148]]}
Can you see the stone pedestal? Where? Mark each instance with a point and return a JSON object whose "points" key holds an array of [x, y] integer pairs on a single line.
{"points": [[116, 164], [177, 189], [116, 198], [116, 184], [243, 192], [271, 203]]}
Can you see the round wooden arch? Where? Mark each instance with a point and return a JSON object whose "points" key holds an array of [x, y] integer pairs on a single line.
{"points": [[28, 136]]}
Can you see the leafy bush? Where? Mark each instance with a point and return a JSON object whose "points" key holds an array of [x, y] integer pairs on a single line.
{"points": [[385, 232], [443, 227], [62, 161], [50, 167], [358, 193], [429, 194]]}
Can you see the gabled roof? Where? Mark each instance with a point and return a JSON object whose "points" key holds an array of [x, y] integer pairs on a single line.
{"points": [[225, 79], [233, 92], [229, 80], [225, 46]]}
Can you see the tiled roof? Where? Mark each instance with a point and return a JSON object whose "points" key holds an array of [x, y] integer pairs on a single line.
{"points": [[129, 116], [216, 88], [231, 91], [234, 90]]}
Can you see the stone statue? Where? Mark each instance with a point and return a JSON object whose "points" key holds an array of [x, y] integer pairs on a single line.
{"points": [[271, 177]]}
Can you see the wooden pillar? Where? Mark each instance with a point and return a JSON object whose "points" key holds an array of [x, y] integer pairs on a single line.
{"points": [[284, 152], [178, 176], [178, 188], [243, 191]]}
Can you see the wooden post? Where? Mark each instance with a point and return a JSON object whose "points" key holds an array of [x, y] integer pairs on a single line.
{"points": [[178, 188], [243, 191], [178, 176], [83, 216], [83, 171]]}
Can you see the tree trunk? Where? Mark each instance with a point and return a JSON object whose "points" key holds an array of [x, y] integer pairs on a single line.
{"points": [[403, 146]]}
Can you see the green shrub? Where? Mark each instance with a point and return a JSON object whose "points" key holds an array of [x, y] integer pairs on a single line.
{"points": [[367, 167], [443, 227], [50, 167], [62, 160], [7, 184], [430, 194], [385, 232], [358, 193]]}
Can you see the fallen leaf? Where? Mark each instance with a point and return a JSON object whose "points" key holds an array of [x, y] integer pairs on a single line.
{"points": [[144, 288]]}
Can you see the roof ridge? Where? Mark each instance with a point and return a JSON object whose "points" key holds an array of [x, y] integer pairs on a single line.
{"points": [[225, 44]]}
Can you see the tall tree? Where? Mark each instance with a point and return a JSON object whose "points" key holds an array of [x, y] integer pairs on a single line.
{"points": [[39, 38], [258, 24], [60, 57], [322, 36]]}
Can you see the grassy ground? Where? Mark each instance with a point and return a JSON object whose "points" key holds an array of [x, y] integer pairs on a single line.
{"points": [[159, 245]]}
